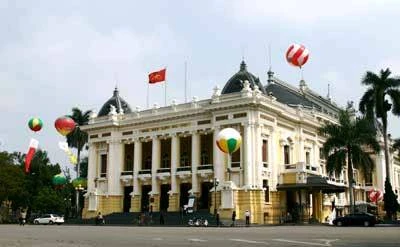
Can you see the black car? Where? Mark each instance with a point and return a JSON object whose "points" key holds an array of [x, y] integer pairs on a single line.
{"points": [[361, 219]]}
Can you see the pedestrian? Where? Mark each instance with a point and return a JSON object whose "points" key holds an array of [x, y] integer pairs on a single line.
{"points": [[217, 218], [162, 218], [22, 218], [99, 219], [233, 218], [247, 215]]}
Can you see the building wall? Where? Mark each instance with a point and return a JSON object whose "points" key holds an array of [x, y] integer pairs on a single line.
{"points": [[255, 116]]}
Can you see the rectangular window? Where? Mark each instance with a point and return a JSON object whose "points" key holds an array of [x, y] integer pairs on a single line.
{"points": [[186, 151], [308, 160], [236, 158], [147, 148], [206, 145], [286, 154], [321, 154], [166, 153], [129, 151], [266, 190], [103, 165], [265, 152]]}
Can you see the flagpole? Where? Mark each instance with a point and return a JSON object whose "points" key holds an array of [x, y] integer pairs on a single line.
{"points": [[147, 99], [185, 81], [165, 89]]}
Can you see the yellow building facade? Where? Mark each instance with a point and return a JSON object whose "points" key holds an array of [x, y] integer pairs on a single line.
{"points": [[165, 158]]}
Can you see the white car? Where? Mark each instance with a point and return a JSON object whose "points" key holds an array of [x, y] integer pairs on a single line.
{"points": [[49, 219]]}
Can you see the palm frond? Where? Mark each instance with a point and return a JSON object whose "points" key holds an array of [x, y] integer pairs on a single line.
{"points": [[362, 160], [395, 98], [336, 161], [366, 104], [370, 78]]}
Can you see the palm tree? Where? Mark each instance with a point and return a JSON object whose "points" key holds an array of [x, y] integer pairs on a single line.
{"points": [[349, 141], [78, 138], [375, 102]]}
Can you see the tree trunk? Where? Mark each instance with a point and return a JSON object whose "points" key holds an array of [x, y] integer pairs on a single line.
{"points": [[78, 165], [350, 179], [384, 121]]}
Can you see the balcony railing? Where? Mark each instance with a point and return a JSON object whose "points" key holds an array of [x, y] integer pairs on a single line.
{"points": [[235, 164], [301, 166], [123, 173], [184, 168], [205, 167], [146, 171], [161, 170]]}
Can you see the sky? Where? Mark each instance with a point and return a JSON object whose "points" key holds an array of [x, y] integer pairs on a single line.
{"points": [[56, 55]]}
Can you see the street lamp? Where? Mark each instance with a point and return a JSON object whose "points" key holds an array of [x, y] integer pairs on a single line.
{"points": [[216, 182], [78, 189]]}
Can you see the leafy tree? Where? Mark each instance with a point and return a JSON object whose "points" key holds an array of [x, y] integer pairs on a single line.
{"points": [[347, 141], [391, 205], [84, 167], [382, 96], [78, 138], [11, 180]]}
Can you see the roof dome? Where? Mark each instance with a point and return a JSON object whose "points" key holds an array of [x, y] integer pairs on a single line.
{"points": [[235, 83], [116, 101]]}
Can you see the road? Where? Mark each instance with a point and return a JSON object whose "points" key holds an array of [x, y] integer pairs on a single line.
{"points": [[85, 236]]}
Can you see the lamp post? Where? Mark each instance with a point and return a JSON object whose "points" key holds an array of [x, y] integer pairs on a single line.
{"points": [[216, 182], [78, 189]]}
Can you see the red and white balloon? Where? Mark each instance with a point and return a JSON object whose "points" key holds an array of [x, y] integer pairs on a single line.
{"points": [[375, 195], [297, 55]]}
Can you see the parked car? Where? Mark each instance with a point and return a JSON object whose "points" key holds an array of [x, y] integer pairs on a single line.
{"points": [[49, 219], [363, 219]]}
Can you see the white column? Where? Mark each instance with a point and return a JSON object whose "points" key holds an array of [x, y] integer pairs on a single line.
{"points": [[92, 165], [174, 161], [273, 158], [248, 159], [258, 158], [114, 167], [218, 158], [137, 164], [195, 160], [300, 153], [155, 164]]}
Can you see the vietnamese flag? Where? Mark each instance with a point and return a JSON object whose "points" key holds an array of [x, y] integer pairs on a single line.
{"points": [[31, 152], [157, 76]]}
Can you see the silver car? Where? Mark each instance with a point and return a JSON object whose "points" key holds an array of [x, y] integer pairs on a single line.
{"points": [[49, 219]]}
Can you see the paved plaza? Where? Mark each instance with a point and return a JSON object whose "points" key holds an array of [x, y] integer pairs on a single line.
{"points": [[79, 235]]}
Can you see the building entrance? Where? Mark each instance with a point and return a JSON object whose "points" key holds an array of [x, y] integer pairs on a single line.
{"points": [[205, 202], [164, 197], [127, 198], [184, 194], [145, 201]]}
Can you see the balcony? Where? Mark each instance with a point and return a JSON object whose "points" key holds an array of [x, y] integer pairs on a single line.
{"points": [[184, 172], [301, 167], [144, 175], [205, 171], [163, 174], [127, 177]]}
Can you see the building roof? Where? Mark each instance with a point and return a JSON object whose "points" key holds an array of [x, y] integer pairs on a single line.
{"points": [[235, 83], [116, 101]]}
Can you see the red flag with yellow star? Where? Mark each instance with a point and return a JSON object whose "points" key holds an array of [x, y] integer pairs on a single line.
{"points": [[157, 76]]}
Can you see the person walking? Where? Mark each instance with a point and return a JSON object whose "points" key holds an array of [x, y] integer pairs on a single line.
{"points": [[22, 218], [233, 218], [217, 218], [247, 215]]}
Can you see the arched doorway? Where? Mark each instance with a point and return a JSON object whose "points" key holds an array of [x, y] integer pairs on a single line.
{"points": [[205, 201], [184, 194]]}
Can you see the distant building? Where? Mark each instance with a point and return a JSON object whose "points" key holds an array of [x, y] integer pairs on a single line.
{"points": [[154, 159]]}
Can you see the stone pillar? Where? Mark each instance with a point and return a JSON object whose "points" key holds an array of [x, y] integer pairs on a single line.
{"points": [[155, 164], [218, 158], [248, 159], [258, 157], [137, 162], [195, 160], [114, 167], [300, 153], [175, 152], [92, 167]]}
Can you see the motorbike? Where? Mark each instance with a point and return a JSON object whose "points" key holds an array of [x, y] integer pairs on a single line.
{"points": [[198, 222]]}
